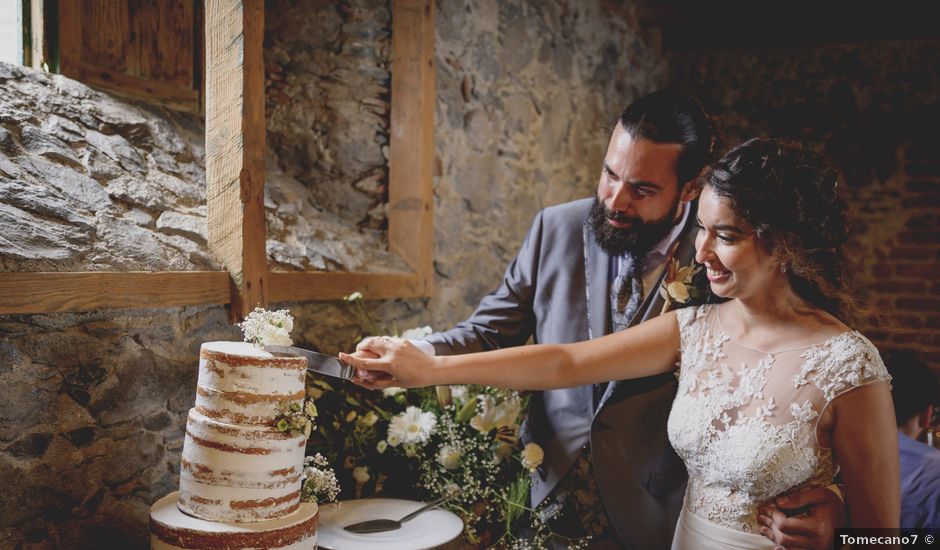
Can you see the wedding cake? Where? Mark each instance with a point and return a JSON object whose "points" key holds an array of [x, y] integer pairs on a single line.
{"points": [[240, 477]]}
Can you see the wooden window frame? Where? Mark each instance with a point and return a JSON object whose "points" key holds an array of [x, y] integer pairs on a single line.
{"points": [[235, 151]]}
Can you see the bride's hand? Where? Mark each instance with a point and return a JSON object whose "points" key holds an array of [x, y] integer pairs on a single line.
{"points": [[384, 362]]}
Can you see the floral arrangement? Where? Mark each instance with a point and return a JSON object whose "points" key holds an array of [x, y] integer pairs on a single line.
{"points": [[297, 418], [263, 328], [456, 441], [319, 480]]}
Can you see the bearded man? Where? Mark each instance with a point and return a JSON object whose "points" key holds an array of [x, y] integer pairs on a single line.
{"points": [[593, 266]]}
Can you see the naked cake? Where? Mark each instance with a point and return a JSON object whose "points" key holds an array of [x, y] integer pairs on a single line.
{"points": [[240, 477]]}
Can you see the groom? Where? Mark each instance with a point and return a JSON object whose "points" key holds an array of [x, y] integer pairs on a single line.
{"points": [[588, 268]]}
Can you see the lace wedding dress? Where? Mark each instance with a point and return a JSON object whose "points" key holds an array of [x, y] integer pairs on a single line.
{"points": [[744, 422]]}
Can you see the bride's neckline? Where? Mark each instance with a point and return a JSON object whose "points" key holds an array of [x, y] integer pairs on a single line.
{"points": [[737, 342]]}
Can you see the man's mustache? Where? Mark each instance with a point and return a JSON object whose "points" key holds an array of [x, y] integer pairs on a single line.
{"points": [[619, 217]]}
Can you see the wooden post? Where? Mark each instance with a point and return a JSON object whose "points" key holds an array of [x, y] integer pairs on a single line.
{"points": [[235, 147], [411, 147]]}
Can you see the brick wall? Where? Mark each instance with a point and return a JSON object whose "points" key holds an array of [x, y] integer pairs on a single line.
{"points": [[904, 278]]}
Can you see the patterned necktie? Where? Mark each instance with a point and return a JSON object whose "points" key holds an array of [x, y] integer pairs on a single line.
{"points": [[625, 294]]}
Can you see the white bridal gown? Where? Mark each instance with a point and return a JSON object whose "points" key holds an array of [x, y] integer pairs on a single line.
{"points": [[744, 422]]}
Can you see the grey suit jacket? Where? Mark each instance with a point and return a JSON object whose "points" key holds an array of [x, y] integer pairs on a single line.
{"points": [[556, 291]]}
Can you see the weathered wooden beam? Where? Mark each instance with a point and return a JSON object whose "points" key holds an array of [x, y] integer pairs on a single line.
{"points": [[235, 145], [411, 147], [47, 292], [289, 286]]}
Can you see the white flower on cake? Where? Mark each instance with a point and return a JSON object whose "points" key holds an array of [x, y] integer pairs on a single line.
{"points": [[268, 328], [411, 426], [449, 457], [532, 456]]}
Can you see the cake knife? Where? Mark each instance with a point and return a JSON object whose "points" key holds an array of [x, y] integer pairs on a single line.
{"points": [[317, 363]]}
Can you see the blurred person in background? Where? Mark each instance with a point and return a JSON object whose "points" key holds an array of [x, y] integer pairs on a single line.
{"points": [[916, 396]]}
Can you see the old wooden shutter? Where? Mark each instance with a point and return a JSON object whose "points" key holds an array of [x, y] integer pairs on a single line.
{"points": [[150, 49]]}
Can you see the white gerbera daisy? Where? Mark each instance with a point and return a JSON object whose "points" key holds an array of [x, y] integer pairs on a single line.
{"points": [[412, 426]]}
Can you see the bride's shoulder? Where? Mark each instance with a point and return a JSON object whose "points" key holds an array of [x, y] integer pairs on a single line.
{"points": [[845, 361], [692, 313]]}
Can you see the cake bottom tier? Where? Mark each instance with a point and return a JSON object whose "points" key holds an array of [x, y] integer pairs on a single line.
{"points": [[231, 472], [171, 529]]}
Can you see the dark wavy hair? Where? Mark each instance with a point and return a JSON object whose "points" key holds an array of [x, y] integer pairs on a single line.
{"points": [[789, 195], [669, 116]]}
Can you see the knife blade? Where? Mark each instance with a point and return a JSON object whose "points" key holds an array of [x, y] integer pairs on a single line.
{"points": [[317, 363]]}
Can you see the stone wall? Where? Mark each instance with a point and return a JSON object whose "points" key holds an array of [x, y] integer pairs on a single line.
{"points": [[875, 110], [88, 182], [327, 67], [527, 92], [92, 405]]}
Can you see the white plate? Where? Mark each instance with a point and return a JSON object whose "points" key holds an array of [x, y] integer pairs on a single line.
{"points": [[432, 528]]}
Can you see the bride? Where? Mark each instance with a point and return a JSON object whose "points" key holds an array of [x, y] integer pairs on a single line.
{"points": [[775, 393]]}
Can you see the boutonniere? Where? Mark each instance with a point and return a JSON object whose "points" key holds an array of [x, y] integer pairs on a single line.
{"points": [[678, 287]]}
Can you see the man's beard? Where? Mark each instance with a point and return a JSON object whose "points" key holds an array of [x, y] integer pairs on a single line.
{"points": [[638, 239]]}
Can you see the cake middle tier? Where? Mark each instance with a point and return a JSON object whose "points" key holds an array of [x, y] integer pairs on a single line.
{"points": [[242, 384], [231, 472]]}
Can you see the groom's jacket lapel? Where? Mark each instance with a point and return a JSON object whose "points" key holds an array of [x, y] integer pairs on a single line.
{"points": [[597, 287]]}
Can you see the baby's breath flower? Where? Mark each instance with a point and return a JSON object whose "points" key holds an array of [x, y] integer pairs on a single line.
{"points": [[262, 327], [381, 446], [319, 480]]}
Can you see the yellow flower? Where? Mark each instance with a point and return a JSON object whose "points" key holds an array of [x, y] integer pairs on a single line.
{"points": [[369, 419], [677, 283], [361, 474], [532, 456], [677, 291]]}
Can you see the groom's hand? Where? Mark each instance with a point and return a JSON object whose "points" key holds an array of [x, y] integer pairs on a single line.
{"points": [[805, 519]]}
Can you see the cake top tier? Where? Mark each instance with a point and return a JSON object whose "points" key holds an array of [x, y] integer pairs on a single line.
{"points": [[235, 353]]}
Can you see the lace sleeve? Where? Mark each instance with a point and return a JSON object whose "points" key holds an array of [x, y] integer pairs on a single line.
{"points": [[691, 328], [850, 361]]}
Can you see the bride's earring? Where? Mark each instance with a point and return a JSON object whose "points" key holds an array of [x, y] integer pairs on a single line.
{"points": [[783, 267]]}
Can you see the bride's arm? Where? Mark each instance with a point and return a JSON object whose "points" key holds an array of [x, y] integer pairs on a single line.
{"points": [[644, 350], [865, 441]]}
